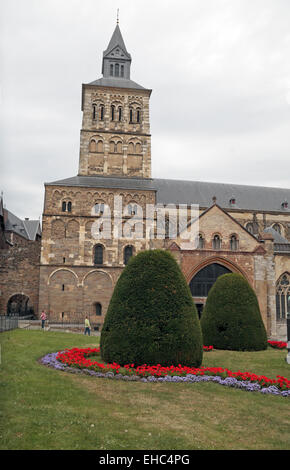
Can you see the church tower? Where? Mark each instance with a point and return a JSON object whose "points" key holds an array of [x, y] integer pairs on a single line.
{"points": [[115, 136]]}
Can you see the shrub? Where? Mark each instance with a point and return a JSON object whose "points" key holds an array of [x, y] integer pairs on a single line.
{"points": [[231, 318], [151, 317]]}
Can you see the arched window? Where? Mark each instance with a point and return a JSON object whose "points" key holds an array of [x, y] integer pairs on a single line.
{"points": [[111, 70], [93, 145], [131, 115], [250, 227], [200, 241], [98, 254], [130, 148], [128, 252], [120, 113], [116, 70], [122, 70], [216, 242], [102, 110], [233, 243], [138, 115], [112, 146], [205, 278], [277, 228], [94, 111], [132, 209], [98, 308], [112, 112], [119, 147], [99, 208], [283, 296], [63, 206], [138, 148], [100, 147], [69, 206]]}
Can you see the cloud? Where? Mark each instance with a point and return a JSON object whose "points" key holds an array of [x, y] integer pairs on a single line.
{"points": [[219, 70]]}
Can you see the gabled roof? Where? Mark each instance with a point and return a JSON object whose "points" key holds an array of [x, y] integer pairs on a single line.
{"points": [[28, 229], [116, 40]]}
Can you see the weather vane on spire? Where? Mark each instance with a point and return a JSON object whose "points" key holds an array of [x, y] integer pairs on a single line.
{"points": [[118, 16]]}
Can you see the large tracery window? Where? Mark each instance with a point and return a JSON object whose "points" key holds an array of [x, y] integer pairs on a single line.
{"points": [[283, 296]]}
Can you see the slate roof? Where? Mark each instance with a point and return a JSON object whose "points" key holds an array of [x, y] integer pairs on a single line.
{"points": [[26, 228], [117, 83], [258, 198], [116, 40]]}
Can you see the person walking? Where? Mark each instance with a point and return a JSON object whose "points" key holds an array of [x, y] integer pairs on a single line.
{"points": [[87, 326], [43, 317]]}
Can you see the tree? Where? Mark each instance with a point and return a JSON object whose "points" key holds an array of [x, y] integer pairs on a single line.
{"points": [[231, 318], [151, 317]]}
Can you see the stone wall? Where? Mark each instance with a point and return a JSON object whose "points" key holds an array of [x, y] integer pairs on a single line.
{"points": [[19, 271]]}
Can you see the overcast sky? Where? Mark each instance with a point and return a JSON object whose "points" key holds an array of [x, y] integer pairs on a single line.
{"points": [[219, 71]]}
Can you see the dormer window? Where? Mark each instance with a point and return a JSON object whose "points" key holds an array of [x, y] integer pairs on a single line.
{"points": [[284, 205], [233, 201]]}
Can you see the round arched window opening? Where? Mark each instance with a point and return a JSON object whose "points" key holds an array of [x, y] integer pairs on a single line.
{"points": [[202, 282]]}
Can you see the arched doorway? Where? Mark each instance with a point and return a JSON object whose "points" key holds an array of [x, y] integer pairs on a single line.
{"points": [[18, 304], [201, 283]]}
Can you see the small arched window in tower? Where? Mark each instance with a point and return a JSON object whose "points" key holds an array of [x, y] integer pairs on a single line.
{"points": [[102, 110], [132, 209], [119, 147], [112, 112], [131, 148], [138, 115], [216, 242], [117, 70], [131, 115], [111, 70], [100, 147], [138, 148], [69, 206], [122, 70], [98, 254], [200, 241], [99, 208], [128, 252], [277, 228], [98, 308], [93, 145], [233, 243], [63, 206], [120, 114], [94, 111]]}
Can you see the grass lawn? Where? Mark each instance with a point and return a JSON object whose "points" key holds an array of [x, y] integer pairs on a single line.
{"points": [[42, 408]]}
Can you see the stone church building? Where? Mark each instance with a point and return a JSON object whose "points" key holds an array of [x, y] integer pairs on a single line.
{"points": [[244, 229]]}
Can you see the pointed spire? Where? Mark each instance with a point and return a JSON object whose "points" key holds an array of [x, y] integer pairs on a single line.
{"points": [[116, 58]]}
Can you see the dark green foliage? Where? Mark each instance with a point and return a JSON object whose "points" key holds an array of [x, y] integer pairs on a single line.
{"points": [[231, 318], [151, 318]]}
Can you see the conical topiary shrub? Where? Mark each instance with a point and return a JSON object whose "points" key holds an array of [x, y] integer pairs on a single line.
{"points": [[231, 318], [151, 318]]}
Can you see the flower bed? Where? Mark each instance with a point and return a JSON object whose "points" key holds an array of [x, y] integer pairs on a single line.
{"points": [[278, 344], [78, 361]]}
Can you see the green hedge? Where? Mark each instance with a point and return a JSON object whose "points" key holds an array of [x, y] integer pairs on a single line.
{"points": [[151, 317], [231, 318]]}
